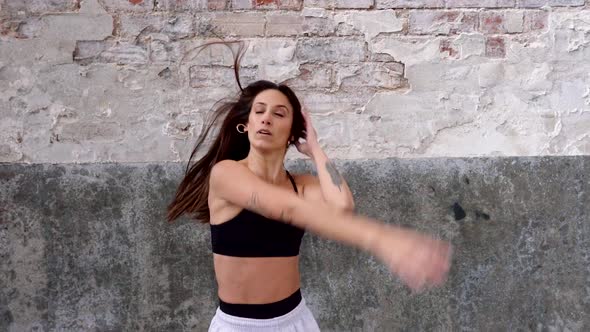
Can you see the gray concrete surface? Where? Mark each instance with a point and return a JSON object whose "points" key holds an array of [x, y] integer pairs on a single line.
{"points": [[84, 247]]}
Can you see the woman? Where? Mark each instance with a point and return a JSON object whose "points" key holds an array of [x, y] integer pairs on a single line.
{"points": [[258, 213]]}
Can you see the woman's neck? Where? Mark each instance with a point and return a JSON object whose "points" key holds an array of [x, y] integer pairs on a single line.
{"points": [[269, 167]]}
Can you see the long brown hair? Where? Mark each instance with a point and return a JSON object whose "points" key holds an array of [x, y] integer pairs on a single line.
{"points": [[192, 193]]}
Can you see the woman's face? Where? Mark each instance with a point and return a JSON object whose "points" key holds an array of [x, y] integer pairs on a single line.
{"points": [[270, 120]]}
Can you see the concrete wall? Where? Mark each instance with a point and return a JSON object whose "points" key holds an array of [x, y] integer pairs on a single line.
{"points": [[86, 248]]}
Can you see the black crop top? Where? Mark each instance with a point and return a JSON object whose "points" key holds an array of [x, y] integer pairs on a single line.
{"points": [[251, 235]]}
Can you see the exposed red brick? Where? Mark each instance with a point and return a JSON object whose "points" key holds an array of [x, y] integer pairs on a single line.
{"points": [[495, 47], [495, 22], [217, 4], [266, 4], [535, 20], [492, 23], [447, 47], [136, 2]]}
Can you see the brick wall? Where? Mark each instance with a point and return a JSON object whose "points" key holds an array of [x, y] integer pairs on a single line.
{"points": [[112, 80]]}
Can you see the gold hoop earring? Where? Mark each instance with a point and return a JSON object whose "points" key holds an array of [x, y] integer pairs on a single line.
{"points": [[242, 126]]}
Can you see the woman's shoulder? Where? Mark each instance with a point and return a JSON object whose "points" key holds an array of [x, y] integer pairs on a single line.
{"points": [[224, 167], [226, 173], [227, 163]]}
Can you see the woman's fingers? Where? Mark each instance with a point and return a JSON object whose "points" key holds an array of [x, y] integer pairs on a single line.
{"points": [[308, 125], [426, 265], [437, 263], [306, 118], [302, 147], [441, 262], [419, 260], [299, 146]]}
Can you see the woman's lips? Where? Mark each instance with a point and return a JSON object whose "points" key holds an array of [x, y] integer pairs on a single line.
{"points": [[264, 132]]}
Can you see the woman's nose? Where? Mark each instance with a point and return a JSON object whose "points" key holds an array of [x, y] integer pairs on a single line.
{"points": [[266, 118]]}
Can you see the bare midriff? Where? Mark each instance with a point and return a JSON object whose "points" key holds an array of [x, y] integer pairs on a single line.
{"points": [[256, 280]]}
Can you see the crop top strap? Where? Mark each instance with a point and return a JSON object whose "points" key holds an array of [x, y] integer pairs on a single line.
{"points": [[292, 181]]}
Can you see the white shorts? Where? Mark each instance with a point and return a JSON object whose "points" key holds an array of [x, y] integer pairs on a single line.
{"points": [[300, 319]]}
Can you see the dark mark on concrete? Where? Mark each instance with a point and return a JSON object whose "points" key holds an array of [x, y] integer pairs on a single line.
{"points": [[458, 211], [481, 215]]}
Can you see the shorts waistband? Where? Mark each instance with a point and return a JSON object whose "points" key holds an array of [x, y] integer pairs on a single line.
{"points": [[262, 311]]}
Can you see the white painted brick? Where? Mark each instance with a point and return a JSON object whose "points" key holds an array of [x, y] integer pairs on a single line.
{"points": [[179, 6], [370, 75], [239, 24], [76, 27], [284, 24], [213, 76], [312, 76], [401, 81], [442, 22], [144, 6], [241, 4], [177, 26], [339, 4], [342, 50], [386, 4], [372, 23]]}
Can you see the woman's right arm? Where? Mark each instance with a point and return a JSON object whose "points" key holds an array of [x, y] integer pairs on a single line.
{"points": [[417, 259]]}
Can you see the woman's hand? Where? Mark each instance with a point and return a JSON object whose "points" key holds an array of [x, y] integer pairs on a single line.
{"points": [[419, 260], [311, 141]]}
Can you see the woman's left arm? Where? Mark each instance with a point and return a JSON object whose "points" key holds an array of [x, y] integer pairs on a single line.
{"points": [[329, 183]]}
